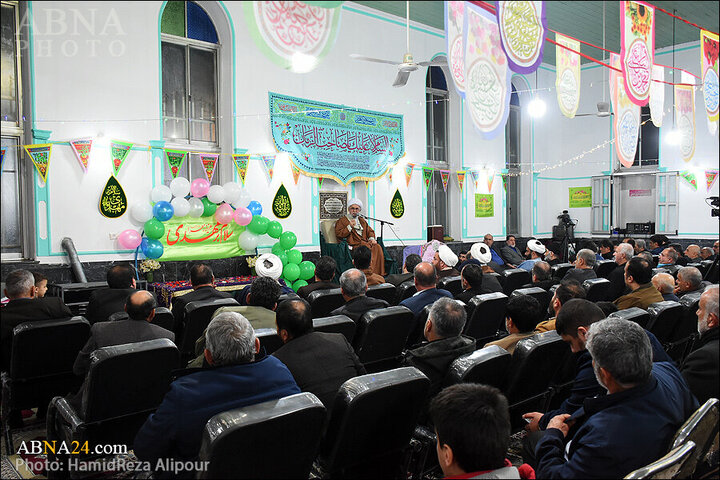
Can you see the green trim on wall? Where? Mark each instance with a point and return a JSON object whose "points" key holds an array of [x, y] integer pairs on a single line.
{"points": [[396, 22], [565, 178]]}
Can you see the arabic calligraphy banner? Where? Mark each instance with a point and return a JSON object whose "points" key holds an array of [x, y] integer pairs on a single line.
{"points": [[333, 141], [709, 72], [626, 121], [637, 49], [203, 238], [685, 118], [567, 81], [522, 29], [657, 95], [580, 197], [454, 15]]}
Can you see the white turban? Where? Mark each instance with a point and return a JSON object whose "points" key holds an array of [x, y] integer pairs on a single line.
{"points": [[536, 246], [269, 265], [447, 256], [355, 201], [481, 252]]}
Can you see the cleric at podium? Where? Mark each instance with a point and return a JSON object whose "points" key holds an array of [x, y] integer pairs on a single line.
{"points": [[355, 229]]}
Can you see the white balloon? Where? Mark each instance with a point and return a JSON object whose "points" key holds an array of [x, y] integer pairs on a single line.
{"points": [[196, 207], [141, 211], [180, 187], [232, 192], [161, 193], [243, 199], [248, 241], [216, 194], [180, 206]]}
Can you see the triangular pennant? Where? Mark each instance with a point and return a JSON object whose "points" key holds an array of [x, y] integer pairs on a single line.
{"points": [[320, 182], [689, 177], [710, 177], [209, 162], [175, 160], [445, 177], [2, 158], [295, 172], [504, 180], [367, 184], [81, 147], [490, 179], [119, 152], [427, 176], [408, 173], [461, 179], [40, 156], [476, 176], [269, 161], [390, 172], [241, 164]]}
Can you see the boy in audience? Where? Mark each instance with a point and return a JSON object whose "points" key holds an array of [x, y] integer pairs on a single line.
{"points": [[41, 282], [522, 315]]}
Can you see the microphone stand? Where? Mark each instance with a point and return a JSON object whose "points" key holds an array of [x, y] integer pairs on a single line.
{"points": [[382, 223]]}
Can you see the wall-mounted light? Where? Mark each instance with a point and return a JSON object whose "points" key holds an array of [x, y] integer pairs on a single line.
{"points": [[302, 63], [536, 108]]}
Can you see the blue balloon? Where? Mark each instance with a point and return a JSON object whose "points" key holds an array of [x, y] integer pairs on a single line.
{"points": [[163, 211], [255, 207], [151, 248]]}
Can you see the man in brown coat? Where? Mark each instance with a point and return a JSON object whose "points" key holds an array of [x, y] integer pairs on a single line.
{"points": [[355, 229], [638, 278]]}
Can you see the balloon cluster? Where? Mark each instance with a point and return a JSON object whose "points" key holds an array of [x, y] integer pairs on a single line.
{"points": [[200, 199]]}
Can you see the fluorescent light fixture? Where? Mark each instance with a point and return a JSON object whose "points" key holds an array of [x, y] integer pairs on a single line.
{"points": [[302, 63], [536, 108]]}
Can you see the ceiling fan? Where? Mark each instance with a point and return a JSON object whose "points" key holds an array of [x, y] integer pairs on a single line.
{"points": [[408, 64], [603, 108]]}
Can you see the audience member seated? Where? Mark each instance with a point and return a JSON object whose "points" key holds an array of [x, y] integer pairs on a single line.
{"points": [[324, 273], [647, 256], [445, 261], [716, 247], [665, 284], [355, 229], [425, 284], [354, 286], [411, 262], [638, 278], [554, 253], [462, 256], [472, 423], [445, 342], [41, 282], [320, 362], [564, 292], [592, 246], [522, 314], [607, 307], [639, 246], [623, 253], [474, 282], [236, 377], [629, 240], [706, 253], [496, 261], [668, 256], [689, 280], [270, 266], [23, 306], [510, 253], [541, 275], [584, 263], [700, 368], [535, 251], [631, 426], [361, 260], [657, 243], [606, 249], [106, 301], [692, 253], [681, 260], [202, 281]]}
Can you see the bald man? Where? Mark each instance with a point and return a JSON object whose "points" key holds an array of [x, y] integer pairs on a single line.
{"points": [[665, 284], [692, 253], [355, 229]]}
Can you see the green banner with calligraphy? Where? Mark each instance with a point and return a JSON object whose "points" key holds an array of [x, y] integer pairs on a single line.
{"points": [[203, 238], [484, 205], [580, 197]]}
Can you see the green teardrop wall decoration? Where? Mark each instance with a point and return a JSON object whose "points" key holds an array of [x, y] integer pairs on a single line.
{"points": [[397, 206], [282, 206], [113, 201]]}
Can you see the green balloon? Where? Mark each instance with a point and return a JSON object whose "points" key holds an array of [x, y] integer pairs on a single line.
{"points": [[291, 272], [209, 207], [274, 229], [154, 228], [294, 256], [283, 257], [259, 225], [277, 249], [299, 284], [307, 270], [288, 240]]}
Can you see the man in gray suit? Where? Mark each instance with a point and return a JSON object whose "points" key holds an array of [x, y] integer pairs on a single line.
{"points": [[510, 253]]}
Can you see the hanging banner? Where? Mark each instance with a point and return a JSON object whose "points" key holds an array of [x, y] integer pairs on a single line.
{"points": [[461, 179], [626, 121], [113, 202], [709, 75], [504, 181], [295, 172], [487, 76], [427, 176], [710, 177], [475, 175], [2, 158], [269, 161], [397, 205], [690, 178], [567, 80], [40, 156], [281, 205], [175, 160], [209, 162], [454, 20], [320, 182], [203, 238], [119, 152], [685, 117], [580, 197], [334, 141], [637, 48], [522, 30], [657, 95], [484, 205], [81, 148], [408, 173], [445, 178], [490, 178], [241, 164]]}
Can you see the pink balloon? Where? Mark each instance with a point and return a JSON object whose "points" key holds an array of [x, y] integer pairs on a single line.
{"points": [[224, 214], [129, 239], [242, 216], [199, 187]]}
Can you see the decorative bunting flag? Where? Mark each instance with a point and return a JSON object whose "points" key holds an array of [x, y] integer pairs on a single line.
{"points": [[427, 176], [710, 177], [689, 177], [2, 158], [657, 95], [685, 117], [40, 156], [175, 160], [209, 162], [476, 176], [119, 152], [295, 172], [445, 177], [269, 161], [320, 182], [709, 72], [567, 80], [626, 121], [241, 164], [367, 184], [637, 49], [390, 173], [81, 148], [504, 180], [487, 76], [454, 20], [490, 179], [461, 179], [408, 173], [522, 30]]}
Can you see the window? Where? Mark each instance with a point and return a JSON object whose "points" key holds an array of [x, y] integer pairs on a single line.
{"points": [[436, 109], [513, 165], [647, 152]]}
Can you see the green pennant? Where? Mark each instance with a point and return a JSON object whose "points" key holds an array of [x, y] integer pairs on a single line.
{"points": [[119, 152], [113, 201], [282, 206], [397, 206], [427, 176], [175, 160]]}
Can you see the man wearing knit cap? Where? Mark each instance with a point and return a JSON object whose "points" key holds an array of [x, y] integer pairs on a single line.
{"points": [[445, 261], [355, 229], [536, 250]]}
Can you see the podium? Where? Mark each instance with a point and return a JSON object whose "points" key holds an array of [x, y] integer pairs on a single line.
{"points": [[435, 232]]}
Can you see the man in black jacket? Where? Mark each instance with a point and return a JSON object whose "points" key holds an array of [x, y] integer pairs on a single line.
{"points": [[324, 273], [474, 282], [411, 262], [202, 281], [541, 275], [618, 288], [700, 368], [106, 301], [353, 285]]}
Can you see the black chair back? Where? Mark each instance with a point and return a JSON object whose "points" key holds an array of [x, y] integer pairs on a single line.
{"points": [[373, 418], [451, 284], [381, 334], [559, 270], [245, 442], [287, 296], [489, 366], [701, 429], [488, 317], [655, 271], [322, 302], [515, 278], [405, 290], [163, 318], [604, 268], [500, 278], [197, 317], [269, 339], [336, 324], [418, 328], [538, 293], [688, 325], [673, 269], [384, 291], [634, 314], [597, 289], [656, 260], [665, 317]]}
